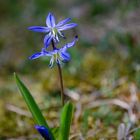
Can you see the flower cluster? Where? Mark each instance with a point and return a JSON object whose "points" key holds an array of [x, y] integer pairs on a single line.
{"points": [[53, 32]]}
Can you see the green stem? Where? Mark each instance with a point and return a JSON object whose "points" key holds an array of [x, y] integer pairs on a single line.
{"points": [[60, 78]]}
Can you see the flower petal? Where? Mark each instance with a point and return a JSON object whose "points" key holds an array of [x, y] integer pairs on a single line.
{"points": [[47, 40], [36, 55], [68, 45], [39, 54], [44, 132], [65, 56], [50, 20], [62, 22], [39, 29], [46, 53], [67, 26]]}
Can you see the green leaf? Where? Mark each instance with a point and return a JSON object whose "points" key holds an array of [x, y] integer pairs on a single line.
{"points": [[65, 121], [37, 115], [137, 134], [33, 107], [55, 131]]}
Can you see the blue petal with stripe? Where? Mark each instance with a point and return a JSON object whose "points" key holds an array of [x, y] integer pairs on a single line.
{"points": [[39, 29], [67, 26], [50, 20], [62, 22]]}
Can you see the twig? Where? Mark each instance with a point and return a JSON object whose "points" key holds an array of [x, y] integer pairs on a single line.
{"points": [[109, 101], [72, 94], [18, 110]]}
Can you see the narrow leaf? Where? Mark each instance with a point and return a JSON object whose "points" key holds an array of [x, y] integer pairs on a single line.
{"points": [[65, 121], [37, 115], [33, 107]]}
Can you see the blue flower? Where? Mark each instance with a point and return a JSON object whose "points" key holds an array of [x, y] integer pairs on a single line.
{"points": [[52, 29], [57, 55], [44, 132]]}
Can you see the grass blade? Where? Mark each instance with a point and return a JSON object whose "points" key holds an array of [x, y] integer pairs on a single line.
{"points": [[33, 107], [65, 121]]}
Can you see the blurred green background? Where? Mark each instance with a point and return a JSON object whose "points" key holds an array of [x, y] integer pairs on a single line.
{"points": [[105, 65]]}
